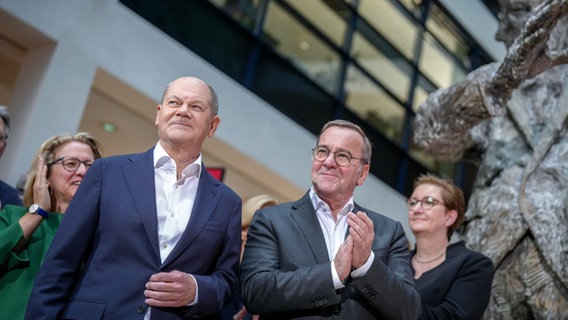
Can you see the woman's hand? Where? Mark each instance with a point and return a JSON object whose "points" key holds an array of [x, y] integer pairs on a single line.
{"points": [[41, 192]]}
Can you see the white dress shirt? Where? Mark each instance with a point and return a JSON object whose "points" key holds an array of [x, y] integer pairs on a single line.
{"points": [[334, 234], [174, 201]]}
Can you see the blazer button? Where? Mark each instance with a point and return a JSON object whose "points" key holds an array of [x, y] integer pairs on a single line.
{"points": [[140, 309]]}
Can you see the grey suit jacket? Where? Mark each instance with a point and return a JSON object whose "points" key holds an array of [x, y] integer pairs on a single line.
{"points": [[286, 271]]}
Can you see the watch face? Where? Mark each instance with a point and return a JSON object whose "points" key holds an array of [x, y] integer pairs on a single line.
{"points": [[33, 208]]}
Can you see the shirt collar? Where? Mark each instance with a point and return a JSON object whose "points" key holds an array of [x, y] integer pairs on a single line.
{"points": [[319, 204], [162, 160]]}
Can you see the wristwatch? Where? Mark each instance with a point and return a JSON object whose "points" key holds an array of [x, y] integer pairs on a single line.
{"points": [[35, 209]]}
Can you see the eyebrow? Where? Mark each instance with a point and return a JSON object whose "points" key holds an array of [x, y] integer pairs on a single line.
{"points": [[338, 149], [193, 100], [172, 96]]}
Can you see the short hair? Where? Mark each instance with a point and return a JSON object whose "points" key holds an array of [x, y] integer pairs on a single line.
{"points": [[5, 115], [452, 196], [367, 147], [47, 150], [213, 98]]}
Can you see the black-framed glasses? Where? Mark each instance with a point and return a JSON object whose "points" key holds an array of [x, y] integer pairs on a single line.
{"points": [[71, 164], [342, 158], [427, 203]]}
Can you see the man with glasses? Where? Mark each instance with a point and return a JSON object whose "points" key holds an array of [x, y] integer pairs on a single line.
{"points": [[8, 194], [324, 256]]}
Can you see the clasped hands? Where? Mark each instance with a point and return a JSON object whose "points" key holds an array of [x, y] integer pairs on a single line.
{"points": [[170, 289], [356, 249]]}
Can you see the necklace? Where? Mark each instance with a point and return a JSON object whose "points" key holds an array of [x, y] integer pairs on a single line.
{"points": [[428, 261]]}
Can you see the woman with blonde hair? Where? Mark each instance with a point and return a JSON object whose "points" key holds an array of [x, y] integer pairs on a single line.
{"points": [[250, 207], [26, 232], [235, 310]]}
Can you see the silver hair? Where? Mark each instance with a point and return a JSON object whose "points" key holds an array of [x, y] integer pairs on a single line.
{"points": [[5, 115]]}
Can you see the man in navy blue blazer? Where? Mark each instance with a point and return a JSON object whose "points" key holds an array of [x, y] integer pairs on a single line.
{"points": [[150, 235], [8, 194]]}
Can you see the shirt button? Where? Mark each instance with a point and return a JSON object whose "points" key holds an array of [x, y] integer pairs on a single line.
{"points": [[172, 213], [164, 244]]}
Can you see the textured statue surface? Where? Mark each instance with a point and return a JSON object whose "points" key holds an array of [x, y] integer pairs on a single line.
{"points": [[511, 118]]}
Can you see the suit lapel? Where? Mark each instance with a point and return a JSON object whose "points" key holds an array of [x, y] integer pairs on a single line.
{"points": [[206, 200], [140, 180], [304, 214]]}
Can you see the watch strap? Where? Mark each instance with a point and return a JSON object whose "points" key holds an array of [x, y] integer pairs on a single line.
{"points": [[36, 209], [42, 213]]}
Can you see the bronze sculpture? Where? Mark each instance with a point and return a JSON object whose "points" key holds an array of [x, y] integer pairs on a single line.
{"points": [[511, 118]]}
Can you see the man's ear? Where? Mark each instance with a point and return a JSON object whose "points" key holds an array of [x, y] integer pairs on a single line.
{"points": [[363, 175], [213, 125], [158, 109]]}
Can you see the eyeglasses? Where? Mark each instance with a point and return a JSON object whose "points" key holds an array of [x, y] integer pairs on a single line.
{"points": [[427, 203], [71, 164], [342, 158]]}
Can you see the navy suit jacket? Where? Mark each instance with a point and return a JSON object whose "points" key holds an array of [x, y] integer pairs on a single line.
{"points": [[107, 247], [286, 270], [9, 195]]}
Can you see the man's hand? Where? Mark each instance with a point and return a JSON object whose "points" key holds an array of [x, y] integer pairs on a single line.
{"points": [[170, 289], [362, 231], [343, 258]]}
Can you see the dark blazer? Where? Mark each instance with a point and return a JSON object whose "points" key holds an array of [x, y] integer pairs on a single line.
{"points": [[9, 195], [286, 271], [106, 247], [459, 288]]}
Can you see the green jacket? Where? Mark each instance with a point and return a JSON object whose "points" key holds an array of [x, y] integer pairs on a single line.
{"points": [[18, 271]]}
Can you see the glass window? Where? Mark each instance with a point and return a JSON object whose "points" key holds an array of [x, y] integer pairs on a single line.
{"points": [[244, 11], [420, 95], [382, 67], [373, 105], [391, 23], [330, 22], [295, 42], [448, 34], [441, 167], [292, 92], [414, 7], [438, 65]]}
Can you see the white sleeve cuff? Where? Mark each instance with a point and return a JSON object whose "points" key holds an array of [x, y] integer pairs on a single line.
{"points": [[357, 273], [337, 284], [196, 292]]}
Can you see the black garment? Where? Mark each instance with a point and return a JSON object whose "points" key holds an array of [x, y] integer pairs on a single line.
{"points": [[9, 195], [459, 288], [230, 309]]}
